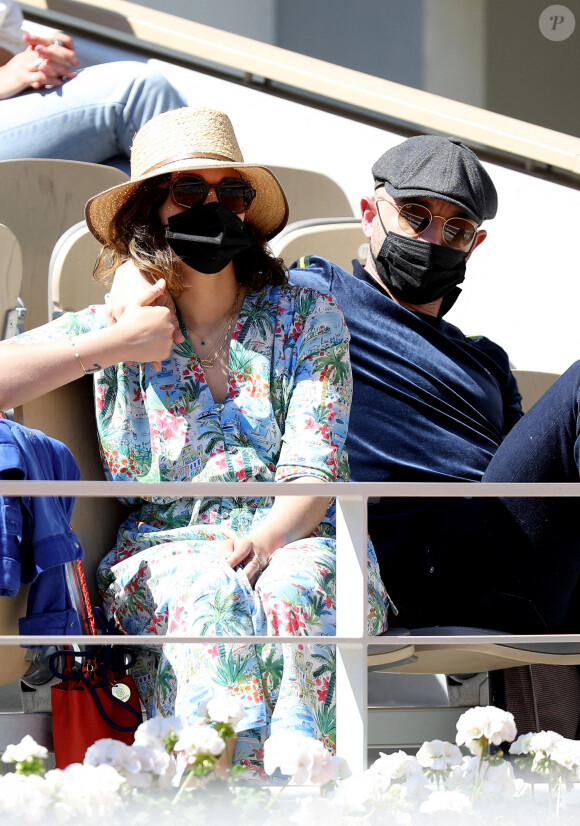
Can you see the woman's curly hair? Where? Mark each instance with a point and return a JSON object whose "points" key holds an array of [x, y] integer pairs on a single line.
{"points": [[136, 233]]}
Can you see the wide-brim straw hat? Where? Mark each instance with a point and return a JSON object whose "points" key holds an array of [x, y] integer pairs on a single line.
{"points": [[184, 140]]}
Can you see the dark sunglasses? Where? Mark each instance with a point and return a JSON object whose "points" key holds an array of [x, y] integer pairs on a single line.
{"points": [[233, 193], [414, 219]]}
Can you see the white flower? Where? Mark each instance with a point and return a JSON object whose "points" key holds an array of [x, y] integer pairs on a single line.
{"points": [[154, 732], [28, 797], [499, 780], [439, 755], [400, 767], [27, 749], [522, 744], [304, 759], [83, 791], [141, 766], [566, 753], [443, 801], [225, 709], [354, 793], [491, 724], [543, 742], [195, 741]]}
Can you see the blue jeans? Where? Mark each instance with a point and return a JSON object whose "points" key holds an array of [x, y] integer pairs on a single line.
{"points": [[510, 564], [92, 117]]}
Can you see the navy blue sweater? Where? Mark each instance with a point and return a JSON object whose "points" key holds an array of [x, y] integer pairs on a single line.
{"points": [[429, 404]]}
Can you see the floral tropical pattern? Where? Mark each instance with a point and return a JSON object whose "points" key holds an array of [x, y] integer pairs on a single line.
{"points": [[285, 415]]}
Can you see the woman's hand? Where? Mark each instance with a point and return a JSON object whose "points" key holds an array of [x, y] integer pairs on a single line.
{"points": [[243, 551], [59, 61], [43, 63], [21, 72]]}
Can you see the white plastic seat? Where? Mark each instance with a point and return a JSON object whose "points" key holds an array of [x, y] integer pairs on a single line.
{"points": [[40, 199], [337, 239], [71, 285], [311, 194]]}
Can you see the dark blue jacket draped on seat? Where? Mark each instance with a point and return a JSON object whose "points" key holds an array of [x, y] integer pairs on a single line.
{"points": [[36, 540]]}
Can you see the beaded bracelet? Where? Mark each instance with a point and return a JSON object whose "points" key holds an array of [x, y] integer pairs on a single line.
{"points": [[77, 355]]}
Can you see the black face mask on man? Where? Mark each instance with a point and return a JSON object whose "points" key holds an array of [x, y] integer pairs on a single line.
{"points": [[208, 236], [418, 272]]}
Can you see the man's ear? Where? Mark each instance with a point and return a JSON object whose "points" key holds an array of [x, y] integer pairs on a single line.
{"points": [[480, 237], [368, 210]]}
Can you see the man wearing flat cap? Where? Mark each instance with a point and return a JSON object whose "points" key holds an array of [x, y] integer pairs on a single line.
{"points": [[433, 405]]}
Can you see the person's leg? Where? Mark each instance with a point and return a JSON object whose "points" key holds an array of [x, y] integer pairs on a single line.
{"points": [[513, 564], [92, 117]]}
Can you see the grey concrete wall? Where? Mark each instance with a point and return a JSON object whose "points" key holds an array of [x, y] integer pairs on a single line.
{"points": [[528, 76], [380, 37], [250, 18]]}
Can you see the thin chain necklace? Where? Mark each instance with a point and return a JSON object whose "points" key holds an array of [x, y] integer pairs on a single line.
{"points": [[214, 355]]}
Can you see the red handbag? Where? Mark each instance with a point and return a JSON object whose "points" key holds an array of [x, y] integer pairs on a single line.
{"points": [[93, 701]]}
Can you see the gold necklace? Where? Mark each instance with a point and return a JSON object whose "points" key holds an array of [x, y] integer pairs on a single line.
{"points": [[210, 361]]}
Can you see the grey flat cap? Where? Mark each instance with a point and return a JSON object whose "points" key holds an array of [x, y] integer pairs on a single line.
{"points": [[430, 166]]}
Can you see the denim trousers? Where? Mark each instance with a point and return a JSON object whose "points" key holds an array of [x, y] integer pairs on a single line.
{"points": [[509, 564], [92, 117]]}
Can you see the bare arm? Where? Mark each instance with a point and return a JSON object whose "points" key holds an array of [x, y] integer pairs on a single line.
{"points": [[29, 370]]}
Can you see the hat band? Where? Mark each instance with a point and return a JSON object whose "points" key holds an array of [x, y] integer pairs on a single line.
{"points": [[208, 156]]}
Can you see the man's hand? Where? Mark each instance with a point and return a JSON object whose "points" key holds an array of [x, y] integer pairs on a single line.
{"points": [[145, 334], [131, 287]]}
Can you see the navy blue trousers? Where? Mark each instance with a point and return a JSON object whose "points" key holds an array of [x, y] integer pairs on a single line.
{"points": [[508, 564]]}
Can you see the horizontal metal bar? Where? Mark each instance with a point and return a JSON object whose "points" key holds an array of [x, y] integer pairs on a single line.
{"points": [[351, 490], [353, 642]]}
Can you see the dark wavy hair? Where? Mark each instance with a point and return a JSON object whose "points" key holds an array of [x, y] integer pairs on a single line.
{"points": [[136, 233]]}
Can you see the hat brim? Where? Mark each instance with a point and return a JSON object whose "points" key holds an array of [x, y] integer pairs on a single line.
{"points": [[268, 212]]}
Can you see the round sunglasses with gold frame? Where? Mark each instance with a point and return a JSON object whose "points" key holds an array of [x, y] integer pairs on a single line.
{"points": [[414, 219]]}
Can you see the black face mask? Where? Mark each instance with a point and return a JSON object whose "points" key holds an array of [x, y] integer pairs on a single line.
{"points": [[418, 272], [208, 236]]}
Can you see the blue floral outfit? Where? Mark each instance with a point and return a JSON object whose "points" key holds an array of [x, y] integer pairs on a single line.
{"points": [[285, 416]]}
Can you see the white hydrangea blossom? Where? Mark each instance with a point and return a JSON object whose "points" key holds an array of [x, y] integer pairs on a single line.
{"points": [[304, 759], [27, 797], [27, 749], [439, 755], [485, 723], [141, 766], [225, 709], [195, 741], [522, 744], [155, 731], [83, 791], [566, 753]]}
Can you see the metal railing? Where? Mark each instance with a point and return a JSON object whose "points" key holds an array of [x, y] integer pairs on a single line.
{"points": [[351, 638]]}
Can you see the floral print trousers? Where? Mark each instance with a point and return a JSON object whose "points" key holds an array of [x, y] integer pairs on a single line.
{"points": [[184, 588]]}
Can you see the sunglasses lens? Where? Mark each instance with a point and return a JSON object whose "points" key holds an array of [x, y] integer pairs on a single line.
{"points": [[459, 233], [188, 192], [235, 194], [414, 218]]}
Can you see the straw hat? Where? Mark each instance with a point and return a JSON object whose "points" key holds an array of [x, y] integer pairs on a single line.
{"points": [[185, 140]]}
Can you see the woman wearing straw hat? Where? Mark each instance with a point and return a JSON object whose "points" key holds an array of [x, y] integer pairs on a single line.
{"points": [[255, 386]]}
